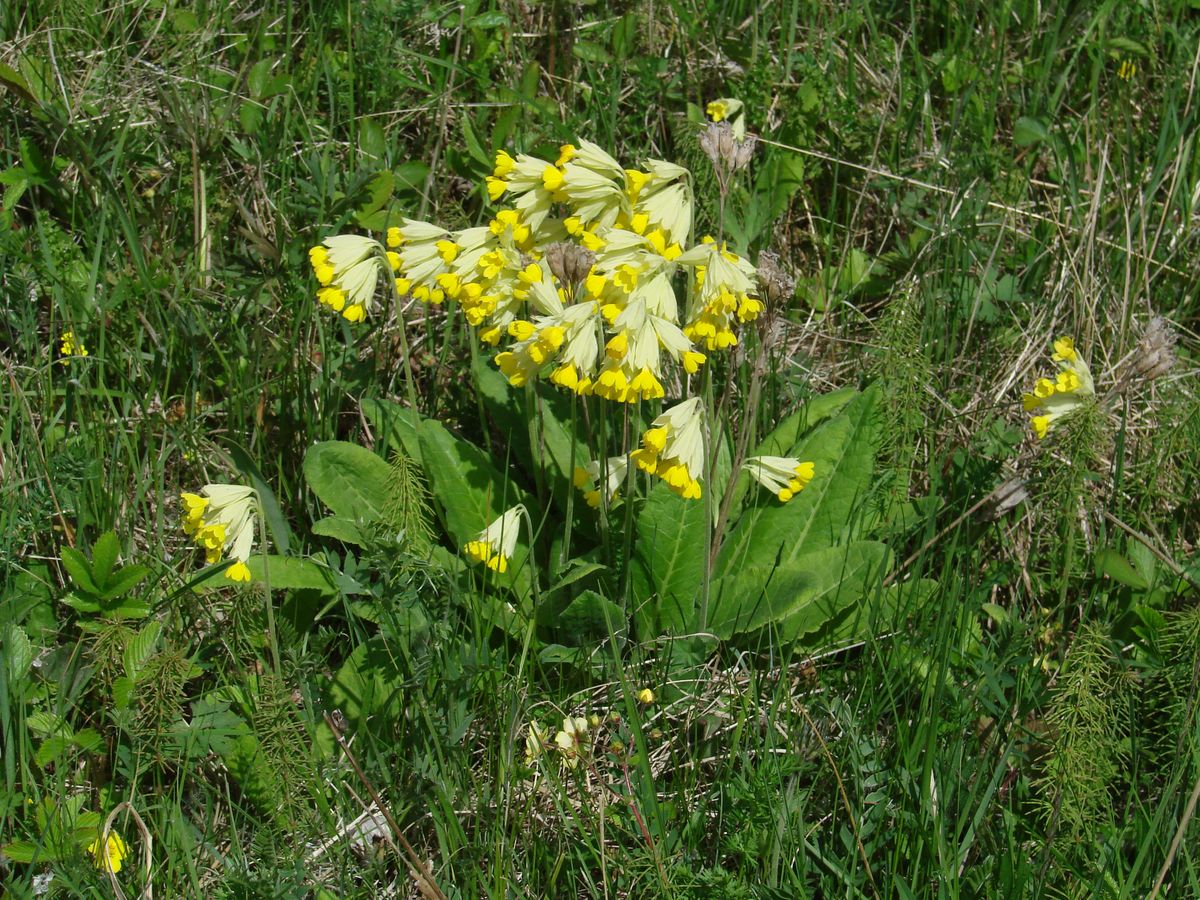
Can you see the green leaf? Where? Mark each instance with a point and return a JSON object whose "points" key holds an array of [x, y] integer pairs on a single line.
{"points": [[141, 647], [104, 557], [13, 80], [511, 408], [53, 748], [79, 569], [369, 687], [291, 573], [800, 596], [344, 530], [349, 479], [1029, 131], [590, 618], [18, 652], [27, 852], [1111, 563], [123, 581], [590, 52], [88, 740], [842, 451], [250, 116], [259, 77], [577, 570], [785, 437], [668, 563]]}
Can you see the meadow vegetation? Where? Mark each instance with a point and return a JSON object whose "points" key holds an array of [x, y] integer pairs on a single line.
{"points": [[598, 499]]}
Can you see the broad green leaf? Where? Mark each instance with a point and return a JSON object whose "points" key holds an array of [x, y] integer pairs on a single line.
{"points": [[141, 647], [344, 530], [590, 618], [799, 596], [104, 557], [880, 612], [1111, 563], [369, 687], [842, 451], [512, 407], [396, 427], [786, 436], [291, 573], [668, 563], [1029, 131], [349, 479], [79, 569], [88, 740], [52, 748], [577, 570]]}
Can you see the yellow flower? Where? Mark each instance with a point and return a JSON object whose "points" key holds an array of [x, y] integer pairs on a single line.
{"points": [[586, 477], [109, 857], [536, 739], [495, 545], [1050, 400], [222, 519], [645, 695], [673, 448], [572, 740], [1127, 70], [347, 267], [71, 346], [784, 476]]}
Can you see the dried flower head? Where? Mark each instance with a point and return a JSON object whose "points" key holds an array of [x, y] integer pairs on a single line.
{"points": [[776, 283], [1156, 350]]}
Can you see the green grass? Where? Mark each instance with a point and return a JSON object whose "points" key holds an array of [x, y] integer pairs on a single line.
{"points": [[952, 184]]}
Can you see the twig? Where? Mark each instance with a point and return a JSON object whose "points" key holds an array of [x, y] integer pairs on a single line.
{"points": [[1186, 820], [415, 864], [147, 851]]}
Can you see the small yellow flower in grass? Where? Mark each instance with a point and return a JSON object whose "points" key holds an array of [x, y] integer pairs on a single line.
{"points": [[728, 109], [109, 857], [572, 740], [783, 476], [494, 546], [1070, 388], [71, 346], [645, 695], [1127, 70], [222, 519], [536, 740], [673, 448]]}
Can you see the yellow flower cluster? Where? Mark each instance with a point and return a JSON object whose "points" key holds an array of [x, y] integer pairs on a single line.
{"points": [[71, 346], [784, 476], [673, 448], [222, 519], [577, 273], [1053, 398], [494, 546]]}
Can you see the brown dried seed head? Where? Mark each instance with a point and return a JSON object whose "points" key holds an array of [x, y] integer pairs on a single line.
{"points": [[569, 263], [777, 284], [1156, 350]]}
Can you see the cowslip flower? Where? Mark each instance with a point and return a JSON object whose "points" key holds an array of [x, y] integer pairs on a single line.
{"points": [[222, 519], [572, 740], [1052, 399], [673, 448], [783, 476], [586, 477], [347, 267], [71, 346], [110, 856], [536, 739], [495, 545]]}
